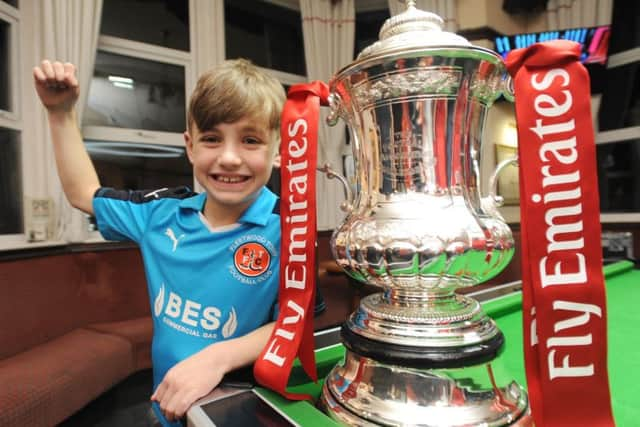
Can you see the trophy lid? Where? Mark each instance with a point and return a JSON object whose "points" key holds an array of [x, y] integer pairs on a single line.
{"points": [[416, 39], [413, 28]]}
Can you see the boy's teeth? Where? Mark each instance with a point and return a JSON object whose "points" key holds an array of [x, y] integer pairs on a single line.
{"points": [[230, 179]]}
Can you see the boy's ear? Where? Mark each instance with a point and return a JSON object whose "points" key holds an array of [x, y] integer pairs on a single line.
{"points": [[277, 160], [188, 142]]}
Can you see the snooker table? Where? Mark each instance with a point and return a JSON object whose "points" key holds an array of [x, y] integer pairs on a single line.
{"points": [[623, 308]]}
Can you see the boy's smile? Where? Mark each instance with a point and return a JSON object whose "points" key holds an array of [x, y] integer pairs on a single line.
{"points": [[232, 161], [230, 179]]}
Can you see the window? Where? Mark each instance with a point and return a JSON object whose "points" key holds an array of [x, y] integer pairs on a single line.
{"points": [[136, 107], [368, 25], [5, 57], [136, 113], [8, 61], [619, 176], [267, 34], [621, 98], [11, 214], [128, 92], [10, 182], [158, 22], [618, 139]]}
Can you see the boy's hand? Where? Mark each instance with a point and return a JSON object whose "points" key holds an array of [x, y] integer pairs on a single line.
{"points": [[186, 382], [56, 85]]}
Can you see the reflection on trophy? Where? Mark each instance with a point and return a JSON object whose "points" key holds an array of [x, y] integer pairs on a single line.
{"points": [[418, 353]]}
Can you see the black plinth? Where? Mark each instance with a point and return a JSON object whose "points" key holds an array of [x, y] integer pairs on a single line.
{"points": [[423, 357]]}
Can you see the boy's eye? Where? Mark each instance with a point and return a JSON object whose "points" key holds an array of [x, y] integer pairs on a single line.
{"points": [[210, 138], [251, 140]]}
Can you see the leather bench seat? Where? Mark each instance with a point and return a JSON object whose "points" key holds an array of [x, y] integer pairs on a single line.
{"points": [[40, 386], [73, 325], [136, 331]]}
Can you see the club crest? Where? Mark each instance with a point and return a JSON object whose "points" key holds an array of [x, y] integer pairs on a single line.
{"points": [[252, 259]]}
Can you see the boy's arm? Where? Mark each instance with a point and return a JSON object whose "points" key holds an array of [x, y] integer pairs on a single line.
{"points": [[58, 89], [197, 375]]}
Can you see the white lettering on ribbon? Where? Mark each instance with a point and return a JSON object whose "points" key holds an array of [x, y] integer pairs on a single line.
{"points": [[566, 370], [562, 205], [294, 263]]}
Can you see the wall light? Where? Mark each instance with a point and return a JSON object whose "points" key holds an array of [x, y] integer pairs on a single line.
{"points": [[120, 79], [133, 149]]}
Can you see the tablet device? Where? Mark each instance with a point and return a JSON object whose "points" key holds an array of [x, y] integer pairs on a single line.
{"points": [[245, 408]]}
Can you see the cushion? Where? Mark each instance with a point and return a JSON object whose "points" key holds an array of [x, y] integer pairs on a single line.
{"points": [[44, 385], [137, 331]]}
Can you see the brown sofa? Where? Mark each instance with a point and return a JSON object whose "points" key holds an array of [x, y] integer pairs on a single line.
{"points": [[74, 321]]}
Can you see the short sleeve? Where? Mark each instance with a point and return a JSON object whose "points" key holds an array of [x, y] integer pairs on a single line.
{"points": [[125, 214], [121, 214]]}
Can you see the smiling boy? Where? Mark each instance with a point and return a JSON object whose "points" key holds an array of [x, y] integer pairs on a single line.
{"points": [[211, 259]]}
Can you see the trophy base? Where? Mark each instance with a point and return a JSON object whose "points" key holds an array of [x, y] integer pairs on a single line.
{"points": [[365, 392], [441, 321], [423, 357]]}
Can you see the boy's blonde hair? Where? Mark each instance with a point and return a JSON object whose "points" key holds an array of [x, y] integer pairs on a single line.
{"points": [[234, 90]]}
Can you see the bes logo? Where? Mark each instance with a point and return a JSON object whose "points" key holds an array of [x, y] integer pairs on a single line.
{"points": [[252, 259], [187, 316]]}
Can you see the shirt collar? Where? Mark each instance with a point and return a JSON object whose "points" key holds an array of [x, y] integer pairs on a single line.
{"points": [[258, 213], [261, 209], [195, 202]]}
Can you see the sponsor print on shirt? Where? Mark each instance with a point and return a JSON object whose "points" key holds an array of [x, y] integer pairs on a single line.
{"points": [[191, 318], [251, 259]]}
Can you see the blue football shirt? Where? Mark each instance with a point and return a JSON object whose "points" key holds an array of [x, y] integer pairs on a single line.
{"points": [[204, 285]]}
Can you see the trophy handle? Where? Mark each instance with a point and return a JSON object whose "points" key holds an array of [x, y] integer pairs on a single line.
{"points": [[335, 109], [508, 90], [347, 205], [493, 181]]}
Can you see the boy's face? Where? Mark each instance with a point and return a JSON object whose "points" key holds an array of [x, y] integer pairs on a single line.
{"points": [[232, 161]]}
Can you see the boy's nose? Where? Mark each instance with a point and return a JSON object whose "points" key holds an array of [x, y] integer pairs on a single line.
{"points": [[230, 155]]}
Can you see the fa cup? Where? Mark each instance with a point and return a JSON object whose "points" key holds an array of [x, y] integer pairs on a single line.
{"points": [[418, 353]]}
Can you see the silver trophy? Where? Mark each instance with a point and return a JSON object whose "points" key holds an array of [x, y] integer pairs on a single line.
{"points": [[418, 353]]}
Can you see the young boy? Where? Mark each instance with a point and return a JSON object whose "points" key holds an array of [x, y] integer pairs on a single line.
{"points": [[211, 259]]}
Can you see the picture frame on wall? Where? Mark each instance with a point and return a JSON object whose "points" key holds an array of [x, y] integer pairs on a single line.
{"points": [[508, 181]]}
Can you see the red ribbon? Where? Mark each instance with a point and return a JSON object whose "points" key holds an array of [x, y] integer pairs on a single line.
{"points": [[564, 307], [293, 333]]}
